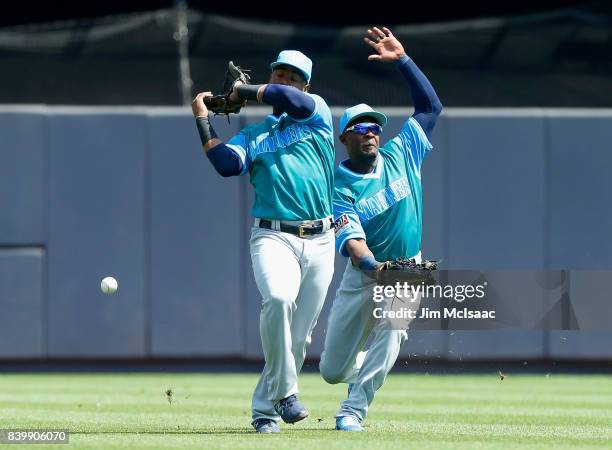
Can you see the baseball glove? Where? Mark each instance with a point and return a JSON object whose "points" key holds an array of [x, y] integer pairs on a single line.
{"points": [[221, 104], [406, 270]]}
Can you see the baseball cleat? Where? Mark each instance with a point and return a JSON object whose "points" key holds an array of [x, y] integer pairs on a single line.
{"points": [[265, 426], [290, 409], [348, 423]]}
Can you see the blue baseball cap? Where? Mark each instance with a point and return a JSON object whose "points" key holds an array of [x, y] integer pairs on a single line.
{"points": [[295, 59], [361, 110]]}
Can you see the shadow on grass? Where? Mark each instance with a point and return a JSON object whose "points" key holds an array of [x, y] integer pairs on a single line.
{"points": [[220, 431]]}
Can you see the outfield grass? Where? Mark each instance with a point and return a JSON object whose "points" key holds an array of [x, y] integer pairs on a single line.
{"points": [[104, 411]]}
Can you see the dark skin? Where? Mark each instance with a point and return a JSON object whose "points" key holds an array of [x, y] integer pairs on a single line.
{"points": [[362, 149]]}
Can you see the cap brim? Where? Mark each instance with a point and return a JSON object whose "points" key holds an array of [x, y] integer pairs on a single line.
{"points": [[280, 63], [381, 119]]}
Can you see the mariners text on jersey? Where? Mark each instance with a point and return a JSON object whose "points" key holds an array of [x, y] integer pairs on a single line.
{"points": [[278, 139], [382, 200], [290, 163]]}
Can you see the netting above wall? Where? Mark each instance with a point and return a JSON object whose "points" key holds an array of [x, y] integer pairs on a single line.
{"points": [[555, 59]]}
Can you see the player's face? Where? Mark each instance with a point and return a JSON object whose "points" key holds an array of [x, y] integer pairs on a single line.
{"points": [[363, 147], [288, 76]]}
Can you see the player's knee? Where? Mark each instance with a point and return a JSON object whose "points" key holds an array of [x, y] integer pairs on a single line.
{"points": [[279, 300], [300, 345], [331, 374]]}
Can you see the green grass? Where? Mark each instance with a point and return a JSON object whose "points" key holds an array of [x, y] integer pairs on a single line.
{"points": [[105, 411]]}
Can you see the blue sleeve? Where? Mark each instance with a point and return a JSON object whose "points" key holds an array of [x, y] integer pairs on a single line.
{"points": [[297, 104], [346, 222], [226, 161], [239, 145], [427, 105], [413, 144]]}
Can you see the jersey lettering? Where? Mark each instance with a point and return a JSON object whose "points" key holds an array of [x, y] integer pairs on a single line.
{"points": [[280, 139], [384, 199]]}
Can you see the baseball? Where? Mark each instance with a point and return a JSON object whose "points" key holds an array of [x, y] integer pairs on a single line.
{"points": [[108, 285]]}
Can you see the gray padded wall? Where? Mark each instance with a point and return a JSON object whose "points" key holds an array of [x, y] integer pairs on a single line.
{"points": [[496, 215], [580, 225], [590, 294], [22, 303], [127, 192], [580, 188], [96, 228], [22, 180], [496, 191], [196, 244]]}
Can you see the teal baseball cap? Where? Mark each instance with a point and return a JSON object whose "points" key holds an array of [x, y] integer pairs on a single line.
{"points": [[361, 110], [295, 59]]}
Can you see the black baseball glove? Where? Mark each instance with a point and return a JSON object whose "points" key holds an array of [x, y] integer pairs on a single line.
{"points": [[406, 270], [221, 104]]}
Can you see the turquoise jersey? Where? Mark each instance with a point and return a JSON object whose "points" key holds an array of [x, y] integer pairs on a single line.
{"points": [[291, 164], [384, 207]]}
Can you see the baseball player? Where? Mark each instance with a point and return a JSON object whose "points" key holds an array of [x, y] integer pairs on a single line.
{"points": [[377, 207], [290, 159]]}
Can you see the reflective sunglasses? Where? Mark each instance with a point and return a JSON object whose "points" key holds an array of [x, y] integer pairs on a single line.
{"points": [[363, 128]]}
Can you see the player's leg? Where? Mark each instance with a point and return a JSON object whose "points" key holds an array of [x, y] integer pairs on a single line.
{"points": [[348, 327], [386, 340], [278, 274], [317, 261]]}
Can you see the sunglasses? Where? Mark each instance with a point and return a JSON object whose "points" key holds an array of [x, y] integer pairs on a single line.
{"points": [[363, 128]]}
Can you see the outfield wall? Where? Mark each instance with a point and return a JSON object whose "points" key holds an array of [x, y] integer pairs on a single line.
{"points": [[91, 192]]}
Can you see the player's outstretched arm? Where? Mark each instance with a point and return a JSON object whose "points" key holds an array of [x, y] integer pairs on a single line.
{"points": [[427, 105], [295, 103], [226, 161]]}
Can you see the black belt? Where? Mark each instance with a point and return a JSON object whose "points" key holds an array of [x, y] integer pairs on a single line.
{"points": [[317, 227]]}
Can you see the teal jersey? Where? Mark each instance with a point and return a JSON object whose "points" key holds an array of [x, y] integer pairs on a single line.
{"points": [[291, 164], [384, 207]]}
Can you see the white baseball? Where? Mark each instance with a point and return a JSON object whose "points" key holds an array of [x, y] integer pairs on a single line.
{"points": [[108, 285]]}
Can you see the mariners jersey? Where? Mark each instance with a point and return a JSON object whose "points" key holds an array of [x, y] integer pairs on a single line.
{"points": [[291, 164], [384, 207]]}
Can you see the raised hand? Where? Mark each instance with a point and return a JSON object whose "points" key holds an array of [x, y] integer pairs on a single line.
{"points": [[387, 47]]}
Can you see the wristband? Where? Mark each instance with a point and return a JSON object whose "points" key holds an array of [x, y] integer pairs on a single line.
{"points": [[205, 129], [368, 263]]}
